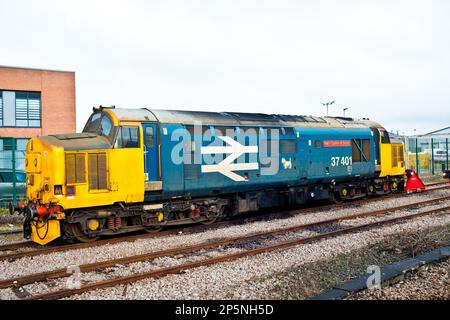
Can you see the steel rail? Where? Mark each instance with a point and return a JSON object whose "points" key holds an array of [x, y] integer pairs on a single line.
{"points": [[59, 273], [207, 262], [16, 245], [432, 184], [8, 232]]}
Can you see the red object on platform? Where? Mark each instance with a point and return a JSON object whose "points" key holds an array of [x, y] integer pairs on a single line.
{"points": [[414, 184]]}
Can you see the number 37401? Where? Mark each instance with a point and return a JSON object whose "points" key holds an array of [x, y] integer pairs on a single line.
{"points": [[341, 161]]}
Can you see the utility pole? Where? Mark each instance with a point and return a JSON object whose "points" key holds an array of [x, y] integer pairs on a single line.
{"points": [[345, 109], [327, 104]]}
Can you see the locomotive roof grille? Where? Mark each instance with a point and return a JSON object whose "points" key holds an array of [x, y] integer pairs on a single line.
{"points": [[232, 118]]}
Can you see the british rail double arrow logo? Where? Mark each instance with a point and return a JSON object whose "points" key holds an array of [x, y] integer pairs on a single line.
{"points": [[226, 167]]}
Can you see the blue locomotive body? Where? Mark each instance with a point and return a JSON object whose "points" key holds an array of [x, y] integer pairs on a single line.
{"points": [[309, 162], [239, 162]]}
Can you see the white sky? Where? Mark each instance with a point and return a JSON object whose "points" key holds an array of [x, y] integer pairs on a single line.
{"points": [[386, 60]]}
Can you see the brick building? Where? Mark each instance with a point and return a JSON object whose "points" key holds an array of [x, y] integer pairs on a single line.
{"points": [[34, 102]]}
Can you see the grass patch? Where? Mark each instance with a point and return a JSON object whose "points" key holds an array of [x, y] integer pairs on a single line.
{"points": [[428, 178], [312, 278]]}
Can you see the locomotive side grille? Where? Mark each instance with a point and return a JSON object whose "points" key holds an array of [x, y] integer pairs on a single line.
{"points": [[75, 168], [401, 153], [70, 169], [397, 155], [97, 171], [102, 184], [394, 156]]}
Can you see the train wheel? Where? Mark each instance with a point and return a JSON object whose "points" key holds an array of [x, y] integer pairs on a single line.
{"points": [[336, 198], [211, 218], [209, 221], [77, 232], [154, 229]]}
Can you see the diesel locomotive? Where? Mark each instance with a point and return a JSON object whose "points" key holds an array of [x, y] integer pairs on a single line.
{"points": [[141, 169]]}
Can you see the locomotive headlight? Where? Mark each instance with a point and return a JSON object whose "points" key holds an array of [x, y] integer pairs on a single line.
{"points": [[58, 190], [70, 191]]}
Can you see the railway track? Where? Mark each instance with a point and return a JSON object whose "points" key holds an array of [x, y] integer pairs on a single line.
{"points": [[191, 229], [61, 273], [433, 184], [8, 232]]}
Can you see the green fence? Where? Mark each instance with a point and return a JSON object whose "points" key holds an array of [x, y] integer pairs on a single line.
{"points": [[427, 154], [12, 170]]}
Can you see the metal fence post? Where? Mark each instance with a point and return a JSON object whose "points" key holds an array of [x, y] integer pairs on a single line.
{"points": [[417, 156], [432, 156], [446, 150], [406, 151], [13, 162]]}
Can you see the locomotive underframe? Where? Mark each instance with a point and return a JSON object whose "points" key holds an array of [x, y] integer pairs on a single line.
{"points": [[122, 218]]}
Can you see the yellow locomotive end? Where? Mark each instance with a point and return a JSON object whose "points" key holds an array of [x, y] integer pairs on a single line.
{"points": [[41, 212], [393, 167], [43, 232], [70, 172]]}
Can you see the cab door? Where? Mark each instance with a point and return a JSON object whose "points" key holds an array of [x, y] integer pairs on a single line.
{"points": [[376, 140], [151, 152]]}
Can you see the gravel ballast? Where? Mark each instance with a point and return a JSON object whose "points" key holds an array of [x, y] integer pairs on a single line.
{"points": [[241, 279], [59, 260], [429, 283], [226, 280]]}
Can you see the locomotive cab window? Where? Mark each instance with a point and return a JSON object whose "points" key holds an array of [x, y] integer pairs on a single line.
{"points": [[101, 123], [149, 137], [385, 137], [128, 137]]}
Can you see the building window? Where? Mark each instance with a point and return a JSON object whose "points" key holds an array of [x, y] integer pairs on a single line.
{"points": [[20, 109], [1, 109], [6, 147], [28, 109]]}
